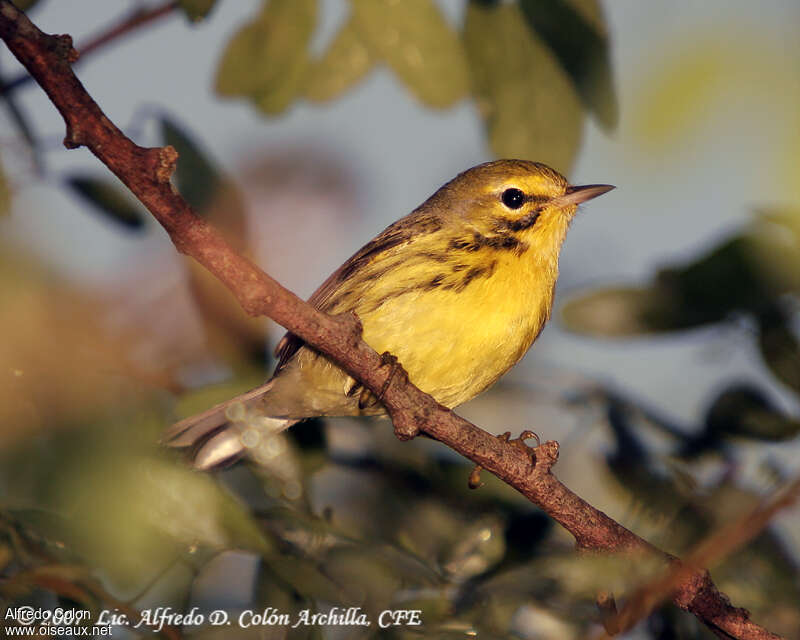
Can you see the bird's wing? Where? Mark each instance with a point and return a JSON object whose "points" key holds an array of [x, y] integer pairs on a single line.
{"points": [[366, 263]]}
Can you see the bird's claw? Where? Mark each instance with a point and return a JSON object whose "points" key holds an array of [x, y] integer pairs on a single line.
{"points": [[366, 398], [388, 360]]}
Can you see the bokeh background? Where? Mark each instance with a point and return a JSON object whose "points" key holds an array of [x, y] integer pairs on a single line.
{"points": [[670, 373]]}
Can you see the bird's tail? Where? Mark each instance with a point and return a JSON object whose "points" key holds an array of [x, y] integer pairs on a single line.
{"points": [[225, 432]]}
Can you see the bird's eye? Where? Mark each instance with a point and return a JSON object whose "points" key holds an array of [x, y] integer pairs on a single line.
{"points": [[513, 198]]}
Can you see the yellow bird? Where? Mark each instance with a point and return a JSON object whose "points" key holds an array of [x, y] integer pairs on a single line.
{"points": [[457, 290]]}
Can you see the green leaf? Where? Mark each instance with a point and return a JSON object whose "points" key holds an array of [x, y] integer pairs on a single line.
{"points": [[306, 578], [366, 576], [779, 346], [196, 177], [746, 411], [615, 312], [266, 59], [530, 106], [275, 98], [347, 60], [744, 273], [575, 31], [419, 46], [110, 199], [25, 5], [20, 119], [196, 10]]}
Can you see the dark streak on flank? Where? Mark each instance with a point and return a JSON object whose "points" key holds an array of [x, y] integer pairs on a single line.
{"points": [[436, 257], [473, 273], [484, 271], [499, 242], [435, 281]]}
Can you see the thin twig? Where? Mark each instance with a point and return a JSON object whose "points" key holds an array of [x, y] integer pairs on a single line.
{"points": [[135, 19], [147, 173], [708, 553]]}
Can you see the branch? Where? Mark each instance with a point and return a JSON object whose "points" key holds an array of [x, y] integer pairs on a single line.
{"points": [[137, 18], [711, 550], [147, 171]]}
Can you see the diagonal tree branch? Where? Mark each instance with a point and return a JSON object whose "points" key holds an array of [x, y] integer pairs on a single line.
{"points": [[147, 171]]}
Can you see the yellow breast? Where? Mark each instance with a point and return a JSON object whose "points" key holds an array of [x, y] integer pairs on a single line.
{"points": [[455, 342]]}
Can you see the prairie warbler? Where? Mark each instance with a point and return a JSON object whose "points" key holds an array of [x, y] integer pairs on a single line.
{"points": [[457, 290]]}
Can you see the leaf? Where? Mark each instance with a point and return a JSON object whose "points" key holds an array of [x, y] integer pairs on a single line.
{"points": [[106, 195], [366, 576], [419, 46], [743, 273], [744, 410], [196, 10], [20, 119], [279, 95], [195, 175], [346, 61], [138, 511], [530, 106], [25, 5], [575, 31], [780, 347], [306, 578], [614, 312], [266, 58]]}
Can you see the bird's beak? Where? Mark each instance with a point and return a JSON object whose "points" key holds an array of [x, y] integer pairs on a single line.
{"points": [[577, 194]]}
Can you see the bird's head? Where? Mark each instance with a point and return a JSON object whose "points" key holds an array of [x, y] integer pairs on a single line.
{"points": [[518, 199]]}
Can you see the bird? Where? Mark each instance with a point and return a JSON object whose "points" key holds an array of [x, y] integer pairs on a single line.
{"points": [[457, 291]]}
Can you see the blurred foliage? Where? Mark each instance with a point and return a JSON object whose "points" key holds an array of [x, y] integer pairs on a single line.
{"points": [[55, 371], [197, 10], [530, 107], [416, 43], [748, 272], [532, 67], [233, 335], [346, 62], [753, 275], [95, 514], [25, 5], [109, 198], [196, 177], [266, 59], [576, 32]]}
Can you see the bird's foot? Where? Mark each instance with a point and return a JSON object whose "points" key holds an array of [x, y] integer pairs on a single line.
{"points": [[368, 399], [388, 360]]}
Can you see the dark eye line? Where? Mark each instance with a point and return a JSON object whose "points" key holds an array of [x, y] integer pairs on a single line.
{"points": [[538, 199], [527, 197]]}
